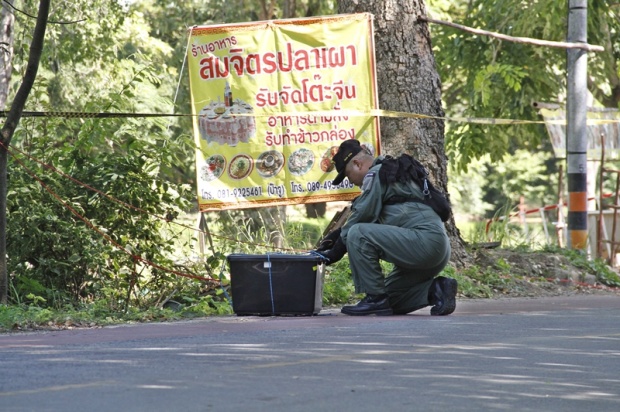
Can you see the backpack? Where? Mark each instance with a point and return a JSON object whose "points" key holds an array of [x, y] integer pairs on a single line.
{"points": [[406, 168]]}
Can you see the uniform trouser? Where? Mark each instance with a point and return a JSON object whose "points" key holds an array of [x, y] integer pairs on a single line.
{"points": [[417, 255]]}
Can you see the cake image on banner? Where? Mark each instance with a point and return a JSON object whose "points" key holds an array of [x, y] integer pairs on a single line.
{"points": [[227, 122]]}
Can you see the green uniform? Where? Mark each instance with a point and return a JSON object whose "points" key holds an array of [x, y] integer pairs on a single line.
{"points": [[410, 235]]}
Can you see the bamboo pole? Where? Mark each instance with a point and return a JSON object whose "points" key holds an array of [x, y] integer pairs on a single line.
{"points": [[524, 40]]}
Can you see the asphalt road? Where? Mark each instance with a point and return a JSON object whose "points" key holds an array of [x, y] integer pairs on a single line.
{"points": [[553, 354]]}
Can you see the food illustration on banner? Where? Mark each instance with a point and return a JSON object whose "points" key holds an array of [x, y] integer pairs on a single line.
{"points": [[228, 122], [269, 163], [240, 166], [326, 160], [301, 161], [214, 167]]}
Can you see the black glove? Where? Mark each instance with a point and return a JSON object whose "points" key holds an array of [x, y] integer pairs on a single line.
{"points": [[336, 253], [329, 240]]}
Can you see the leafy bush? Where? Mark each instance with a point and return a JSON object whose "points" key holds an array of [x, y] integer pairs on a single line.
{"points": [[337, 286], [69, 243]]}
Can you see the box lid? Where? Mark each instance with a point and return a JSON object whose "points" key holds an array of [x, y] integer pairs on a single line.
{"points": [[273, 256]]}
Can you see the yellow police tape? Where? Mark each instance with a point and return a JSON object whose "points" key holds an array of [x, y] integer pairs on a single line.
{"points": [[374, 112]]}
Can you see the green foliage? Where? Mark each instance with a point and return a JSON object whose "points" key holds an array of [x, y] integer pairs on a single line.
{"points": [[68, 244], [485, 77], [495, 76], [337, 286], [205, 306], [524, 173], [28, 317], [50, 238], [489, 185], [469, 282]]}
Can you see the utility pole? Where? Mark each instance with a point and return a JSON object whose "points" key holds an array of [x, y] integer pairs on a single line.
{"points": [[576, 117]]}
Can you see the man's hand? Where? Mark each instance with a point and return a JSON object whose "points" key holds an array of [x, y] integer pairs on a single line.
{"points": [[329, 241], [336, 253]]}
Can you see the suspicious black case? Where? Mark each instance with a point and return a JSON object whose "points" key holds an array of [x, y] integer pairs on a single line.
{"points": [[276, 284]]}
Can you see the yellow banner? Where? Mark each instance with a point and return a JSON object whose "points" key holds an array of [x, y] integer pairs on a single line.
{"points": [[270, 102]]}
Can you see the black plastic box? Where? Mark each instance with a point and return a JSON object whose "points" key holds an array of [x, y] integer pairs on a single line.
{"points": [[276, 284]]}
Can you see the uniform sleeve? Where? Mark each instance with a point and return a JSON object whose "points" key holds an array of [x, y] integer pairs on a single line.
{"points": [[366, 208]]}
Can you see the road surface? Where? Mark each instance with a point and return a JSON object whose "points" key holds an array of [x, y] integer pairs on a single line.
{"points": [[551, 354]]}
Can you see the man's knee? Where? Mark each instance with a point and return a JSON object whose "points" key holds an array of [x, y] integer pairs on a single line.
{"points": [[361, 236], [362, 230], [354, 234]]}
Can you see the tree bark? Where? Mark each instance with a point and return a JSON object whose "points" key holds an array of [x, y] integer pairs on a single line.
{"points": [[8, 129], [289, 9], [7, 19], [267, 8], [408, 81]]}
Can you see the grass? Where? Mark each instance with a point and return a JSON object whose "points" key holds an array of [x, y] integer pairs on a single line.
{"points": [[33, 317]]}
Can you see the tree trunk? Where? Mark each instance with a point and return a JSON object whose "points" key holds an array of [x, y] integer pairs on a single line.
{"points": [[408, 82], [289, 9], [8, 129], [7, 19], [267, 8]]}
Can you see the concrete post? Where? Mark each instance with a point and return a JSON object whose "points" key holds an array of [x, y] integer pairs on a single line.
{"points": [[576, 117]]}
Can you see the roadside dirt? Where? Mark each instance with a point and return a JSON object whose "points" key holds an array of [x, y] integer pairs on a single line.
{"points": [[535, 274]]}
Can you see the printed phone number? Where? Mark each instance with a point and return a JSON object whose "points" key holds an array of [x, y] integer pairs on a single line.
{"points": [[273, 190], [236, 192], [318, 186]]}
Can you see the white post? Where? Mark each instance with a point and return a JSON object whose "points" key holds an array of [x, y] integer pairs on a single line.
{"points": [[576, 116]]}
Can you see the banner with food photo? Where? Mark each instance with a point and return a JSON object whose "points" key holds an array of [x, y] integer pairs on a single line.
{"points": [[271, 103]]}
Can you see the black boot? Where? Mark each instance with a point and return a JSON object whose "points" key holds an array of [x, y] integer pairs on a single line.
{"points": [[442, 295], [370, 305]]}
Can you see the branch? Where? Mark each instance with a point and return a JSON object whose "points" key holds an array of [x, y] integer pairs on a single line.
{"points": [[36, 49], [34, 17], [526, 40]]}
